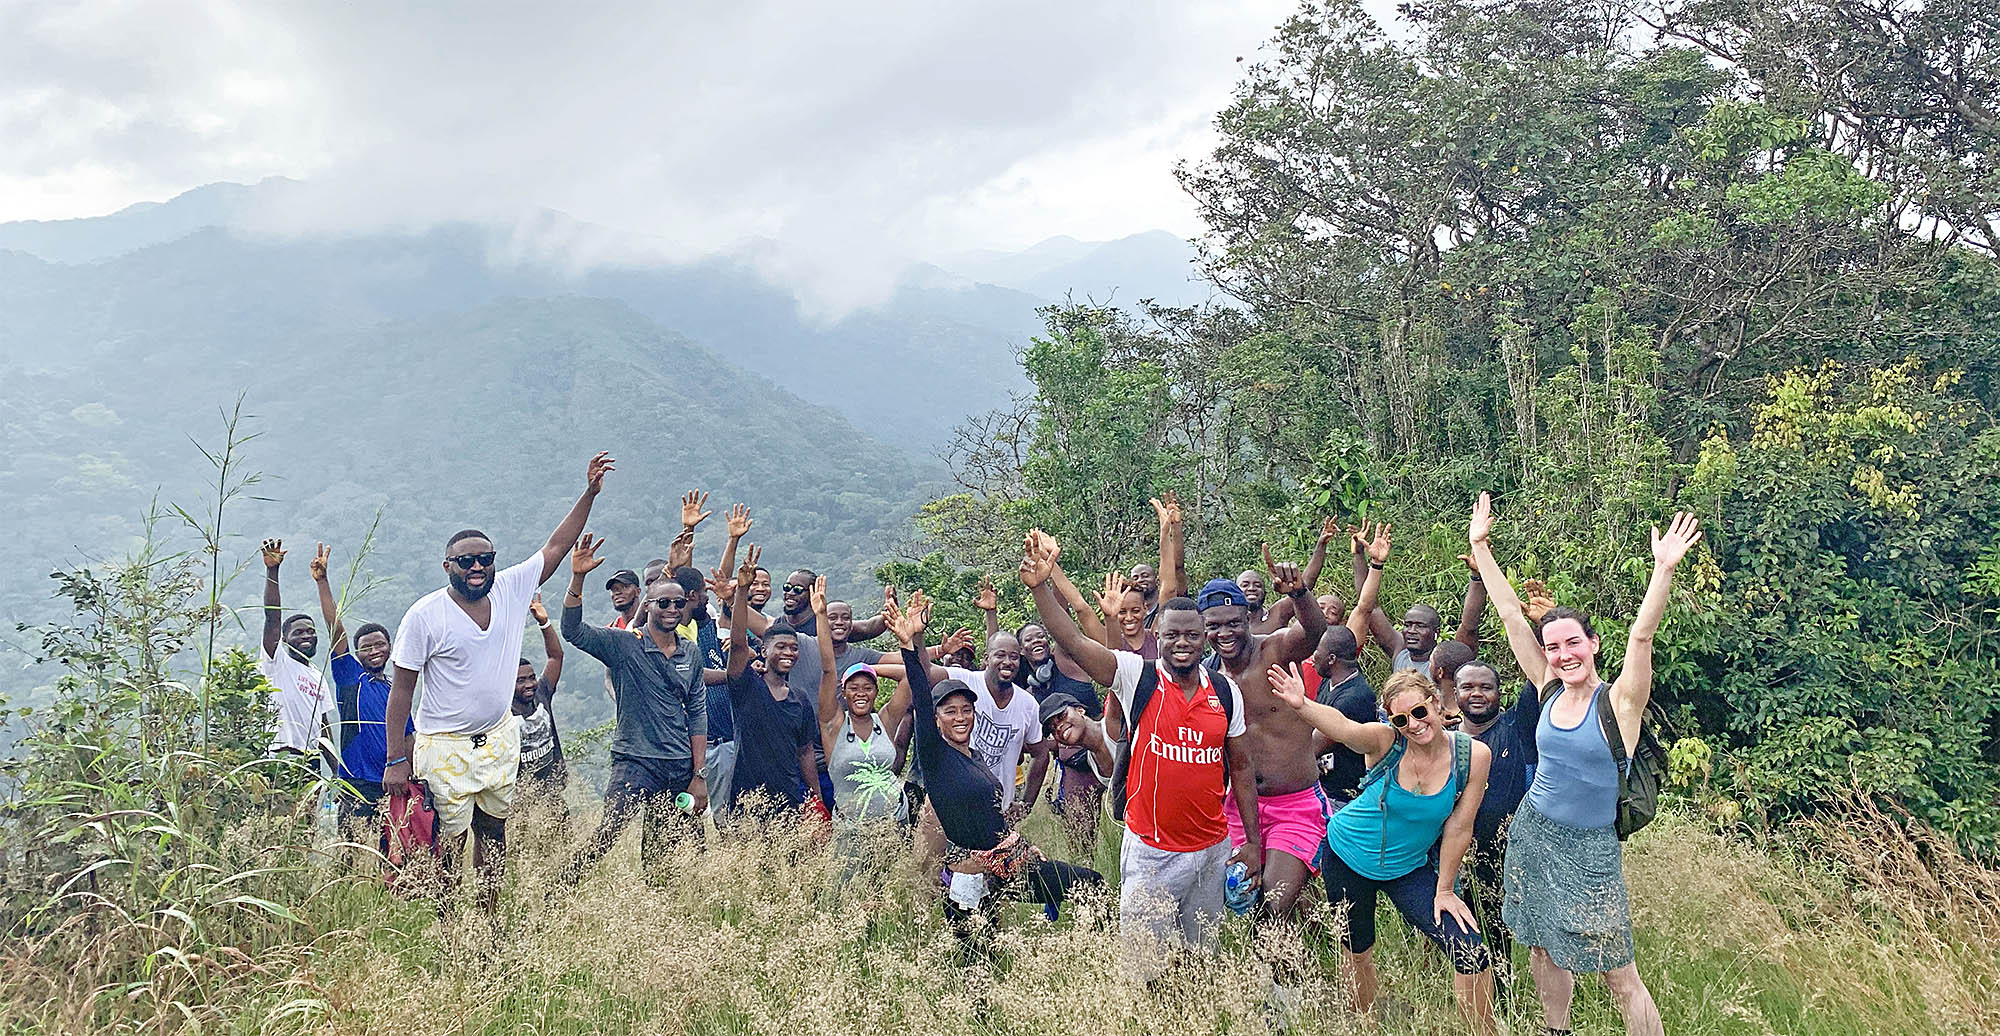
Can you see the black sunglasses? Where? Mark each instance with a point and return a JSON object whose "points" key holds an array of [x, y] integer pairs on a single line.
{"points": [[670, 602], [794, 588], [484, 560]]}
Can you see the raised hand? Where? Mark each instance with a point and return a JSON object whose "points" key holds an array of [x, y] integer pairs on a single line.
{"points": [[747, 574], [680, 553], [274, 553], [1038, 558], [317, 566], [1358, 537], [1329, 531], [989, 597], [584, 559], [819, 597], [692, 503], [739, 521], [1378, 548], [1113, 593], [959, 640], [600, 465], [1480, 527], [1538, 600], [537, 609], [1285, 576], [720, 585], [1169, 510], [906, 624], [1288, 684], [1681, 536]]}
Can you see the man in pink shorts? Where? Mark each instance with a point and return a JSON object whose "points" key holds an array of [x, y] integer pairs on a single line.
{"points": [[1291, 811]]}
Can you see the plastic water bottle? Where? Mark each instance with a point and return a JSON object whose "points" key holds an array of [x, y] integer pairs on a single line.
{"points": [[684, 802], [1237, 890]]}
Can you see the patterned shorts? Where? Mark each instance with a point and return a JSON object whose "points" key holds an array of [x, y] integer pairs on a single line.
{"points": [[467, 771]]}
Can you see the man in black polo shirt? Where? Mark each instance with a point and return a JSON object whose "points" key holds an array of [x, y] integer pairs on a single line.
{"points": [[1342, 687], [1510, 734], [661, 739]]}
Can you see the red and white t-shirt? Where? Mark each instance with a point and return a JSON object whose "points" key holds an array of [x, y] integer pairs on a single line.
{"points": [[1174, 786]]}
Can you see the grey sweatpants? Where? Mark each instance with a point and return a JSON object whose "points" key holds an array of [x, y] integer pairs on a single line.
{"points": [[1166, 897]]}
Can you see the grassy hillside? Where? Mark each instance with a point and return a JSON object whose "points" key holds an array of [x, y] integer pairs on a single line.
{"points": [[751, 936]]}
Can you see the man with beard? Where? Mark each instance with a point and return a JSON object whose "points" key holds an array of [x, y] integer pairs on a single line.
{"points": [[1047, 671], [775, 730], [1186, 742], [298, 694], [626, 599], [362, 692], [464, 641], [659, 745], [1291, 808]]}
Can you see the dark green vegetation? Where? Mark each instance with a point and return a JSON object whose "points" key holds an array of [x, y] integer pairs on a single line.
{"points": [[1606, 272]]}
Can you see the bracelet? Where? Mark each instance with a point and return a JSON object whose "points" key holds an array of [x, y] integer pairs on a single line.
{"points": [[1477, 578], [398, 761], [543, 625], [1300, 592], [1376, 565]]}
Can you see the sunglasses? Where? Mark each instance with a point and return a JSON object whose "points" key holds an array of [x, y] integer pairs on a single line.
{"points": [[794, 588], [670, 602], [473, 560], [1421, 710]]}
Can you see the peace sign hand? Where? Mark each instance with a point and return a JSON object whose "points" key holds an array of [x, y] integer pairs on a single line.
{"points": [[317, 566]]}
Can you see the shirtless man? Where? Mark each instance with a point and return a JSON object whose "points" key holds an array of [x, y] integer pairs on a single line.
{"points": [[1292, 810]]}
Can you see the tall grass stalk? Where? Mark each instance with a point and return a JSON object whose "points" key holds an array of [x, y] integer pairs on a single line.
{"points": [[231, 482]]}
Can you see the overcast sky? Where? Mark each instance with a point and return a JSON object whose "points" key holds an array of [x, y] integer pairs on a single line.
{"points": [[835, 129]]}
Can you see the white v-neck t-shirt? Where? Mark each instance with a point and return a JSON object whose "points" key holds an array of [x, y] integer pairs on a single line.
{"points": [[466, 674]]}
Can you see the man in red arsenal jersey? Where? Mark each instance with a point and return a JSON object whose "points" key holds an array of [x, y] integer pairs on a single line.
{"points": [[1185, 743]]}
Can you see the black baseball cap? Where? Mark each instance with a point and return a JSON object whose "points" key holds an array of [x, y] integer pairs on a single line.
{"points": [[623, 575], [941, 691], [1055, 705]]}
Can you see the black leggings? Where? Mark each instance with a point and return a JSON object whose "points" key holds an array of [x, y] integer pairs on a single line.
{"points": [[1415, 896], [1050, 881]]}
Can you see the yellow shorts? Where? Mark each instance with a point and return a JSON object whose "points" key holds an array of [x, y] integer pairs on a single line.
{"points": [[464, 772]]}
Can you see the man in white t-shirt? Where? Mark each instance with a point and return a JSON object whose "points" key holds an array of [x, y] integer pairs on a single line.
{"points": [[300, 696], [464, 640]]}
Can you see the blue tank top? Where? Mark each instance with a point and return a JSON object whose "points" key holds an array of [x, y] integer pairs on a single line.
{"points": [[1576, 783], [1388, 831]]}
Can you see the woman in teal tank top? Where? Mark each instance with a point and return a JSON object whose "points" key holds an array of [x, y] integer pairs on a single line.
{"points": [[1423, 788], [1563, 883]]}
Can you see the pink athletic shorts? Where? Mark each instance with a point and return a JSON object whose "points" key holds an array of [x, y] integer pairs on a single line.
{"points": [[1295, 823]]}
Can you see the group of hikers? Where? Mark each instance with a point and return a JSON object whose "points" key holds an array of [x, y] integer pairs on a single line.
{"points": [[1231, 730]]}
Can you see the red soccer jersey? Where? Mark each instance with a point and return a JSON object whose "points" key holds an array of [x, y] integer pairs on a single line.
{"points": [[1175, 784]]}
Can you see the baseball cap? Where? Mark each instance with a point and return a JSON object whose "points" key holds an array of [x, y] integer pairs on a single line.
{"points": [[948, 688], [858, 667], [1054, 705], [623, 575], [1220, 591]]}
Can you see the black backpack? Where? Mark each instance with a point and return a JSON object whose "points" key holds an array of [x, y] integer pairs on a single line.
{"points": [[1142, 696], [1639, 785]]}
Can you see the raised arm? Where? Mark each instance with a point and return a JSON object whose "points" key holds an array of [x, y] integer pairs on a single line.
{"points": [[1475, 607], [1371, 740], [1038, 562], [907, 624], [1173, 548], [1520, 632], [1457, 838], [572, 524], [595, 642], [739, 523], [988, 603], [866, 629], [317, 566], [274, 605], [739, 631], [831, 718], [551, 644], [1361, 620], [1073, 599], [1108, 600], [1329, 530], [1365, 564], [1634, 686], [1300, 638]]}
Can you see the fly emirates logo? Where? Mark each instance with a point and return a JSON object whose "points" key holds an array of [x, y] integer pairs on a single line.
{"points": [[1189, 748]]}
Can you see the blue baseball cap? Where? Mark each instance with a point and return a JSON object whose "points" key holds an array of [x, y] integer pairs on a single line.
{"points": [[1220, 591], [857, 669]]}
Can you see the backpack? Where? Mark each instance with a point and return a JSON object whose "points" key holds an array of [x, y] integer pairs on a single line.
{"points": [[1638, 783], [1142, 696], [408, 835]]}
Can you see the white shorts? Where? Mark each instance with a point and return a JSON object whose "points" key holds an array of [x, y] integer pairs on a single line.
{"points": [[465, 771]]}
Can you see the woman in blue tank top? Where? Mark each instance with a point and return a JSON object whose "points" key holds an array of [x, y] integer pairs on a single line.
{"points": [[1563, 883], [1414, 798]]}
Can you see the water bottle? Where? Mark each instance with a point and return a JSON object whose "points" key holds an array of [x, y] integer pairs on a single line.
{"points": [[1237, 890], [684, 802]]}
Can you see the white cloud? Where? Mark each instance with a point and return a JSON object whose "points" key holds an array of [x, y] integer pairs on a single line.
{"points": [[848, 137]]}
